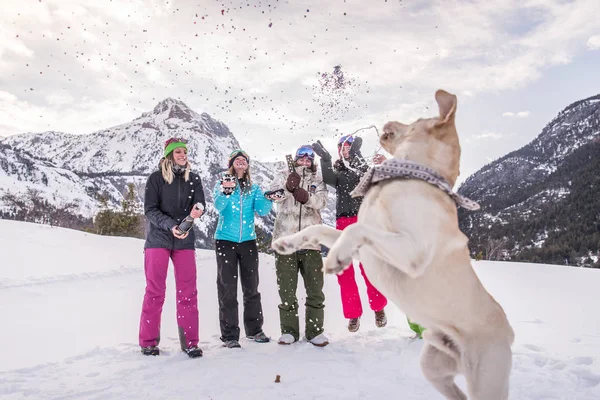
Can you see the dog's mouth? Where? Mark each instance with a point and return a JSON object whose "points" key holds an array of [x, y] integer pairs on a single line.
{"points": [[386, 135]]}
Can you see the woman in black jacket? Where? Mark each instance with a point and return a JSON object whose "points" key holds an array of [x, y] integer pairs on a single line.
{"points": [[343, 177], [172, 193]]}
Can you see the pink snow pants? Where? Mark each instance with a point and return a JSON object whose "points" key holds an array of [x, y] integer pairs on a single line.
{"points": [[351, 303], [156, 262]]}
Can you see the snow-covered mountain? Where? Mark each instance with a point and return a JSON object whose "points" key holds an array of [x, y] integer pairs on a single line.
{"points": [[74, 168], [137, 146], [534, 200]]}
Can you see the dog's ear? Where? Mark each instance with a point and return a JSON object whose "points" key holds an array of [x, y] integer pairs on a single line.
{"points": [[447, 105]]}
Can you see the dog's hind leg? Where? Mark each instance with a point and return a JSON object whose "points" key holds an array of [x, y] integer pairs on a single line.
{"points": [[439, 369], [487, 370], [397, 249], [311, 236]]}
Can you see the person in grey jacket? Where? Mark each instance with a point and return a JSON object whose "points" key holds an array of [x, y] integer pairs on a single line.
{"points": [[343, 176], [304, 195]]}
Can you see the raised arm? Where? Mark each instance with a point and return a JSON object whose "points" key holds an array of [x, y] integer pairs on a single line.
{"points": [[262, 206], [221, 200], [329, 175]]}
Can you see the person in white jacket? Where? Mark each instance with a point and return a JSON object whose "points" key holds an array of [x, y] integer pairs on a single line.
{"points": [[304, 195]]}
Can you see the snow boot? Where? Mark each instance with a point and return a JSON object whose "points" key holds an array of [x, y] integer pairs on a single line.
{"points": [[193, 351], [232, 344], [286, 339], [260, 337], [380, 318], [150, 351], [353, 324], [319, 340]]}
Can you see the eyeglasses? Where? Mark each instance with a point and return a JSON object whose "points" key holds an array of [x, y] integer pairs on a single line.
{"points": [[305, 151], [175, 140], [345, 139], [239, 152]]}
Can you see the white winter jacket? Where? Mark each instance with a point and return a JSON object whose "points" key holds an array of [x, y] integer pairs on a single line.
{"points": [[293, 216]]}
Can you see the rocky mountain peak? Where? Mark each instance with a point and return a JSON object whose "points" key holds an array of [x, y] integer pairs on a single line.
{"points": [[173, 108]]}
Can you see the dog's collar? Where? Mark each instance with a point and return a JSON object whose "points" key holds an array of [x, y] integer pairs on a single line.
{"points": [[395, 168]]}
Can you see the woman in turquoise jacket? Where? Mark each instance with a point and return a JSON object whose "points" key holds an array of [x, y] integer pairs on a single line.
{"points": [[236, 200]]}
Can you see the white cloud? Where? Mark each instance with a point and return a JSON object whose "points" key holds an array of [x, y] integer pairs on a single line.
{"points": [[488, 135], [520, 114], [258, 79], [593, 42]]}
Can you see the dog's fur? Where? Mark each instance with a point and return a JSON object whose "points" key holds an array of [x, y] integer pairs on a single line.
{"points": [[408, 240]]}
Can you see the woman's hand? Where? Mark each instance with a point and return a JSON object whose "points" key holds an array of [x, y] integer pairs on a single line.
{"points": [[177, 234], [378, 159], [320, 150], [228, 186], [293, 181], [197, 210]]}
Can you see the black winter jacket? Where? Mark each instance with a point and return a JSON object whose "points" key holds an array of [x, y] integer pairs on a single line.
{"points": [[344, 181], [166, 205]]}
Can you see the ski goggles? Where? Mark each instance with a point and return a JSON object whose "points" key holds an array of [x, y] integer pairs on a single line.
{"points": [[305, 151], [175, 140], [345, 139], [235, 154], [239, 152]]}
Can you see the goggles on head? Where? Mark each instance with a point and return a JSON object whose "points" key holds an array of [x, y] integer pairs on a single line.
{"points": [[305, 151], [239, 152], [175, 140], [345, 139]]}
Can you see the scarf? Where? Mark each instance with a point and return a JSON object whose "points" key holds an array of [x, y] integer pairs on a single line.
{"points": [[398, 168]]}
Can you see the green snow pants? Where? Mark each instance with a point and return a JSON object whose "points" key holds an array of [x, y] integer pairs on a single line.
{"points": [[309, 264]]}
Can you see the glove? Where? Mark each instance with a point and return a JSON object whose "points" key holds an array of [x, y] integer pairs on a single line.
{"points": [[293, 181], [339, 165], [320, 150], [359, 164], [274, 194], [355, 148], [227, 191], [301, 195]]}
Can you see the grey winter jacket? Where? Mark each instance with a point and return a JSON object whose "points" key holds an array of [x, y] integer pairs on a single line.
{"points": [[292, 216]]}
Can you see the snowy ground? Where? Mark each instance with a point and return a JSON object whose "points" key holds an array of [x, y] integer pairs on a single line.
{"points": [[69, 311]]}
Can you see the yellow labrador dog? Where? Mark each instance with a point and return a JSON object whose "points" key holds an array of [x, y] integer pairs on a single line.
{"points": [[408, 240]]}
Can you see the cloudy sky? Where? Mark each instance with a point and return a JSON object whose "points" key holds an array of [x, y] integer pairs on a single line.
{"points": [[264, 67]]}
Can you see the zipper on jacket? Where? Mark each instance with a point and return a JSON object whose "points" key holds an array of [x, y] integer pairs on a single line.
{"points": [[241, 211], [178, 192], [300, 215], [178, 204]]}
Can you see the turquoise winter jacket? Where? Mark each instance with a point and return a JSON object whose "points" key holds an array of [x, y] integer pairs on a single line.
{"points": [[236, 218]]}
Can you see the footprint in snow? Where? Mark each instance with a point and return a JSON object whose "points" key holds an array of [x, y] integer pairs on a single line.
{"points": [[533, 347], [582, 360]]}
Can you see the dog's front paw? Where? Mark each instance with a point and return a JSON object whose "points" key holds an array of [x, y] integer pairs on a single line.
{"points": [[283, 246], [336, 262]]}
